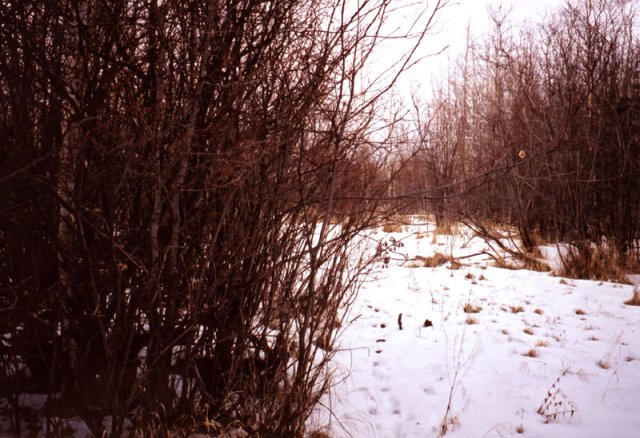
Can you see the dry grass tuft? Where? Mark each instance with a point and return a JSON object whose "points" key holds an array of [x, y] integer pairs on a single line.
{"points": [[635, 298], [542, 343], [446, 228], [470, 308], [471, 320], [502, 263], [524, 263], [593, 262], [437, 259], [392, 228], [536, 265]]}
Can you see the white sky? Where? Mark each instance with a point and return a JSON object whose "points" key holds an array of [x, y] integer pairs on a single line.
{"points": [[450, 30], [474, 13]]}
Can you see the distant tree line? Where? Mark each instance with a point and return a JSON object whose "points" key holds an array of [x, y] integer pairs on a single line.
{"points": [[539, 128]]}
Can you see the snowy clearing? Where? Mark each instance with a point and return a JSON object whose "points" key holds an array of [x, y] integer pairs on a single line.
{"points": [[511, 352]]}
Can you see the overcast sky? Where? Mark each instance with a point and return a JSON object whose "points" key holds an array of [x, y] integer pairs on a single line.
{"points": [[450, 30], [461, 13]]}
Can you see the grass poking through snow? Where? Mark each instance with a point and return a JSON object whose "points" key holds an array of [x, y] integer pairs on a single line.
{"points": [[470, 308], [635, 298]]}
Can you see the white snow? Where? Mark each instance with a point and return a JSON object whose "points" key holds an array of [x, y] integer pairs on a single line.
{"points": [[397, 383]]}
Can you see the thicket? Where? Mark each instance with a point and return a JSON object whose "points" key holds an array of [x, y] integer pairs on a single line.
{"points": [[171, 173], [539, 128]]}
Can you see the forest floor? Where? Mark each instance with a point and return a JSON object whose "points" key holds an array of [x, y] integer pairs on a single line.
{"points": [[483, 351]]}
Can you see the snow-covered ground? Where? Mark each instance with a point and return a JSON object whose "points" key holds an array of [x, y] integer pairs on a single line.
{"points": [[533, 355]]}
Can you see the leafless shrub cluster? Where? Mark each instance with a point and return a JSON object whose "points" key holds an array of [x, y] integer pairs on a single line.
{"points": [[593, 261], [170, 178]]}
